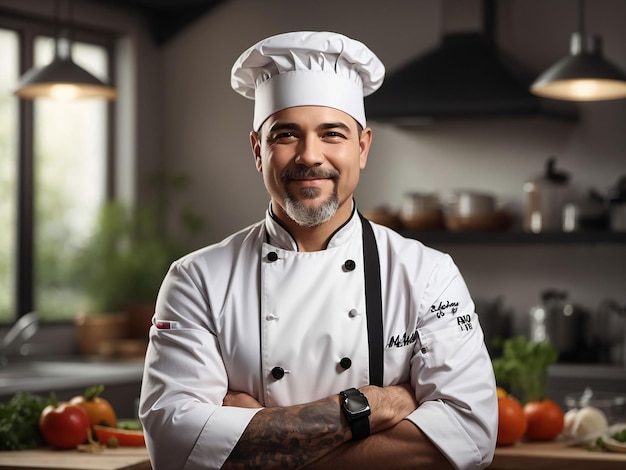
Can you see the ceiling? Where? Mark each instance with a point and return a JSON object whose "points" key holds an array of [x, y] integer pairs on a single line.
{"points": [[165, 18]]}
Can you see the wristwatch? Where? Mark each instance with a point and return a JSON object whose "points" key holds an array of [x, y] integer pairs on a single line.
{"points": [[356, 409]]}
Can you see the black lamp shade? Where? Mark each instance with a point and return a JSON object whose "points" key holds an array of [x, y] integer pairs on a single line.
{"points": [[62, 79], [582, 76]]}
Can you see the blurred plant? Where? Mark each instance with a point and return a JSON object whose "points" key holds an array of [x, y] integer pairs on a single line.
{"points": [[523, 367], [132, 246]]}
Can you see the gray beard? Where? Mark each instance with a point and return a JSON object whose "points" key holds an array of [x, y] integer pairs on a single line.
{"points": [[311, 217]]}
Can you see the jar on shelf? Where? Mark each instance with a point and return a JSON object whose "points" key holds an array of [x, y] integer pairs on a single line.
{"points": [[545, 198]]}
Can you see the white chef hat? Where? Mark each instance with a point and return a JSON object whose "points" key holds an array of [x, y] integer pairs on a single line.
{"points": [[307, 68]]}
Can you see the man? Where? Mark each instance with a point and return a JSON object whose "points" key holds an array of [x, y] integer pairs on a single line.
{"points": [[314, 339]]}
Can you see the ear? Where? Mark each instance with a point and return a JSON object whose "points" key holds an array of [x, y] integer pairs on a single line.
{"points": [[364, 144], [255, 143]]}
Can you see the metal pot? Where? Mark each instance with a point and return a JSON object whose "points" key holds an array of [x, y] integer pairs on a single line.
{"points": [[467, 204], [421, 211], [608, 331], [561, 322]]}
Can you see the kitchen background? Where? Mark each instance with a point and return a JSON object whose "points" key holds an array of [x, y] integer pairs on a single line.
{"points": [[176, 109], [206, 126]]}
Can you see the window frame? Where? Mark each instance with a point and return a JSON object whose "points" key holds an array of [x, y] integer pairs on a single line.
{"points": [[28, 27]]}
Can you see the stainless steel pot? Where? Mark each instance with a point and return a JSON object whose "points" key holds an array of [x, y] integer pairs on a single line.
{"points": [[421, 211], [563, 323], [608, 331], [468, 203]]}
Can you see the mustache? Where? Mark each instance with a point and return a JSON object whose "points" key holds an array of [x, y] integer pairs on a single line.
{"points": [[301, 172]]}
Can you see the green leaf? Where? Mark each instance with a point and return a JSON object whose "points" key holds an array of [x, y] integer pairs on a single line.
{"points": [[19, 422], [93, 392]]}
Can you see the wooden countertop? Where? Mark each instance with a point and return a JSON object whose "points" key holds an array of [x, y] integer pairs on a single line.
{"points": [[122, 458], [554, 456], [524, 455]]}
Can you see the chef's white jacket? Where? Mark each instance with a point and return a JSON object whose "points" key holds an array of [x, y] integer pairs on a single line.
{"points": [[253, 314]]}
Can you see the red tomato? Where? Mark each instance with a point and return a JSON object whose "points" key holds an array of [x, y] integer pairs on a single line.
{"points": [[511, 421], [545, 420], [64, 426]]}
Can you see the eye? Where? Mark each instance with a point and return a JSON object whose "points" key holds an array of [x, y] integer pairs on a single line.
{"points": [[282, 136], [334, 135]]}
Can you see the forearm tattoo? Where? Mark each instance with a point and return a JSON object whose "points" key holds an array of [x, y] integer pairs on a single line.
{"points": [[289, 437]]}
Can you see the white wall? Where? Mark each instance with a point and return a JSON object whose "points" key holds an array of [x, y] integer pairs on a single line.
{"points": [[206, 128]]}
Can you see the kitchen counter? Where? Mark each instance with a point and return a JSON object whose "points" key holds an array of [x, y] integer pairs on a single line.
{"points": [[542, 455], [43, 375], [554, 456], [122, 458]]}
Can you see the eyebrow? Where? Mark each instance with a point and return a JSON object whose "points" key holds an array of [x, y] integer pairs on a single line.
{"points": [[280, 126], [335, 125], [294, 126]]}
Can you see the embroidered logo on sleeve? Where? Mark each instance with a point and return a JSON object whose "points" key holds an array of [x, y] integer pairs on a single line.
{"points": [[445, 308], [464, 322]]}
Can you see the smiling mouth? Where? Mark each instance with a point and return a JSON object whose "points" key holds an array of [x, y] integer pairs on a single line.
{"points": [[309, 179]]}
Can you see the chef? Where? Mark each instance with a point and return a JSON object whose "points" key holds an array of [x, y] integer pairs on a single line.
{"points": [[314, 337]]}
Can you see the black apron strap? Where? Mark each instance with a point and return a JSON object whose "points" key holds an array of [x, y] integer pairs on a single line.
{"points": [[373, 303]]}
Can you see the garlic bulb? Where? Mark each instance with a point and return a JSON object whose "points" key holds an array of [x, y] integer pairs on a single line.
{"points": [[586, 422]]}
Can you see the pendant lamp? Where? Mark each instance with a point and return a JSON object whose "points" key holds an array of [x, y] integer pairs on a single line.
{"points": [[584, 75], [62, 78]]}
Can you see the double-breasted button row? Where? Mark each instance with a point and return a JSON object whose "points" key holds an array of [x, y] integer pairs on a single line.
{"points": [[351, 313], [348, 265], [345, 362], [278, 372]]}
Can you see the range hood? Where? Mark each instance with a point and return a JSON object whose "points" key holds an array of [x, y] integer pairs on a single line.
{"points": [[461, 78], [465, 76]]}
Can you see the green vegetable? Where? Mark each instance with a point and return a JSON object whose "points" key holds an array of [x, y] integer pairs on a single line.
{"points": [[523, 367], [93, 392], [620, 436], [19, 421], [596, 446], [130, 424]]}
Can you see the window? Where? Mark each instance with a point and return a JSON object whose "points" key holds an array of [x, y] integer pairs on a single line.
{"points": [[9, 70], [67, 146]]}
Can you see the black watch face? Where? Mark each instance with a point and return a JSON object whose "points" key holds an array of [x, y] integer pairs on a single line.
{"points": [[355, 404]]}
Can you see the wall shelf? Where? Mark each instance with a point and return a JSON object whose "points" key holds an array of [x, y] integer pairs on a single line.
{"points": [[584, 237]]}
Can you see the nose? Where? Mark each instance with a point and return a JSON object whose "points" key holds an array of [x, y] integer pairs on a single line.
{"points": [[310, 152]]}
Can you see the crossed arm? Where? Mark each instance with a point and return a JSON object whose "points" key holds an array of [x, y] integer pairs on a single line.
{"points": [[315, 435]]}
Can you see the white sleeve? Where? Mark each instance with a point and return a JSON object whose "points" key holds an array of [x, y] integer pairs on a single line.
{"points": [[451, 373], [184, 384]]}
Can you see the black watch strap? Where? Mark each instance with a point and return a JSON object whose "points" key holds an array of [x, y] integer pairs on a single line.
{"points": [[357, 411], [360, 428]]}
